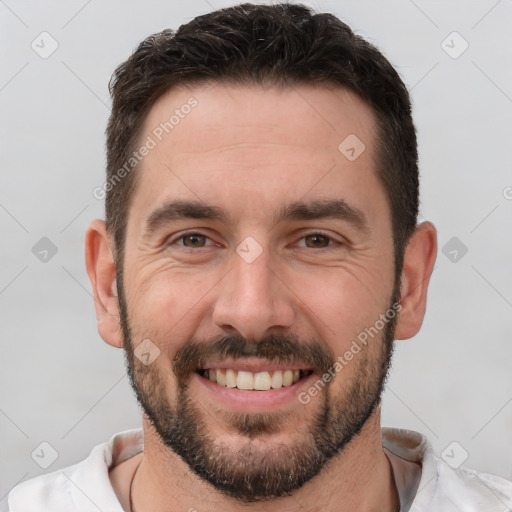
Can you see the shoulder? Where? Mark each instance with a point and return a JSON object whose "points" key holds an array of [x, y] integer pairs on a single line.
{"points": [[465, 488], [443, 487], [52, 491], [82, 487]]}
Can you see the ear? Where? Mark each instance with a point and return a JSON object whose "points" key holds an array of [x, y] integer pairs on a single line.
{"points": [[419, 259], [101, 268]]}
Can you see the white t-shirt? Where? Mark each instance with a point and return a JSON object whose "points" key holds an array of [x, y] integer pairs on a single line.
{"points": [[424, 482]]}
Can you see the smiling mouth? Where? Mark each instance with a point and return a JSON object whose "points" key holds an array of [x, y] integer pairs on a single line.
{"points": [[249, 381]]}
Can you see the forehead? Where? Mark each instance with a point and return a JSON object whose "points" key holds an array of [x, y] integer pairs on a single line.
{"points": [[272, 145], [325, 111]]}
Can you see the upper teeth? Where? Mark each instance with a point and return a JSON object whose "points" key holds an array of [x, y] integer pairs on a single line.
{"points": [[261, 381]]}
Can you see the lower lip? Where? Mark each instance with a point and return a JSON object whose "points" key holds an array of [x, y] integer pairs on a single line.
{"points": [[251, 400]]}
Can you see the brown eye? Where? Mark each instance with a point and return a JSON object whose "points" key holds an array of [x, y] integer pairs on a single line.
{"points": [[194, 240], [317, 241]]}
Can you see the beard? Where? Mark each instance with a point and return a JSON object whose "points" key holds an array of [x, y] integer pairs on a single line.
{"points": [[257, 469]]}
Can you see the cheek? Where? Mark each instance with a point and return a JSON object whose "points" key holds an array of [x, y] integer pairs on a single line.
{"points": [[343, 306], [166, 305]]}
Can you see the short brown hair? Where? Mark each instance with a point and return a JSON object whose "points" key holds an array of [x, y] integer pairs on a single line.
{"points": [[283, 44]]}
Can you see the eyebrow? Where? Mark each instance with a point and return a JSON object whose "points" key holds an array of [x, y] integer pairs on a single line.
{"points": [[316, 209], [325, 209], [178, 210]]}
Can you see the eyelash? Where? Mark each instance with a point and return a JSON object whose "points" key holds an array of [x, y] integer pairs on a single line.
{"points": [[331, 244], [184, 235]]}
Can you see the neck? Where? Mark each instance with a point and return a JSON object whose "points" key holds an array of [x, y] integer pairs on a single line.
{"points": [[360, 478]]}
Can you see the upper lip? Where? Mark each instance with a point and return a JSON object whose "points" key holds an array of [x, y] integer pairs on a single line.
{"points": [[254, 365]]}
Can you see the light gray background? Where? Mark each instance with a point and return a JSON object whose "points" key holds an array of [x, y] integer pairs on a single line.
{"points": [[60, 383]]}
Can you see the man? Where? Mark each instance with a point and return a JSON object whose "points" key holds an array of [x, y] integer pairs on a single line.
{"points": [[260, 254]]}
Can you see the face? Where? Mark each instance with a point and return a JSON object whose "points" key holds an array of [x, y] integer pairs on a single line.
{"points": [[258, 255]]}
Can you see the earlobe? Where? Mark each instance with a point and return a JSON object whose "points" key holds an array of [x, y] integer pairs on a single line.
{"points": [[102, 274], [419, 259]]}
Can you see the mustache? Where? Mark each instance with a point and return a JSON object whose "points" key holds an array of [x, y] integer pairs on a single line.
{"points": [[282, 349]]}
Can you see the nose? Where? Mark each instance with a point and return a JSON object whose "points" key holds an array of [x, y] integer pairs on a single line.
{"points": [[254, 299]]}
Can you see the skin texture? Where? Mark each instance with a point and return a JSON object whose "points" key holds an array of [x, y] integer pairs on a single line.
{"points": [[251, 152]]}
